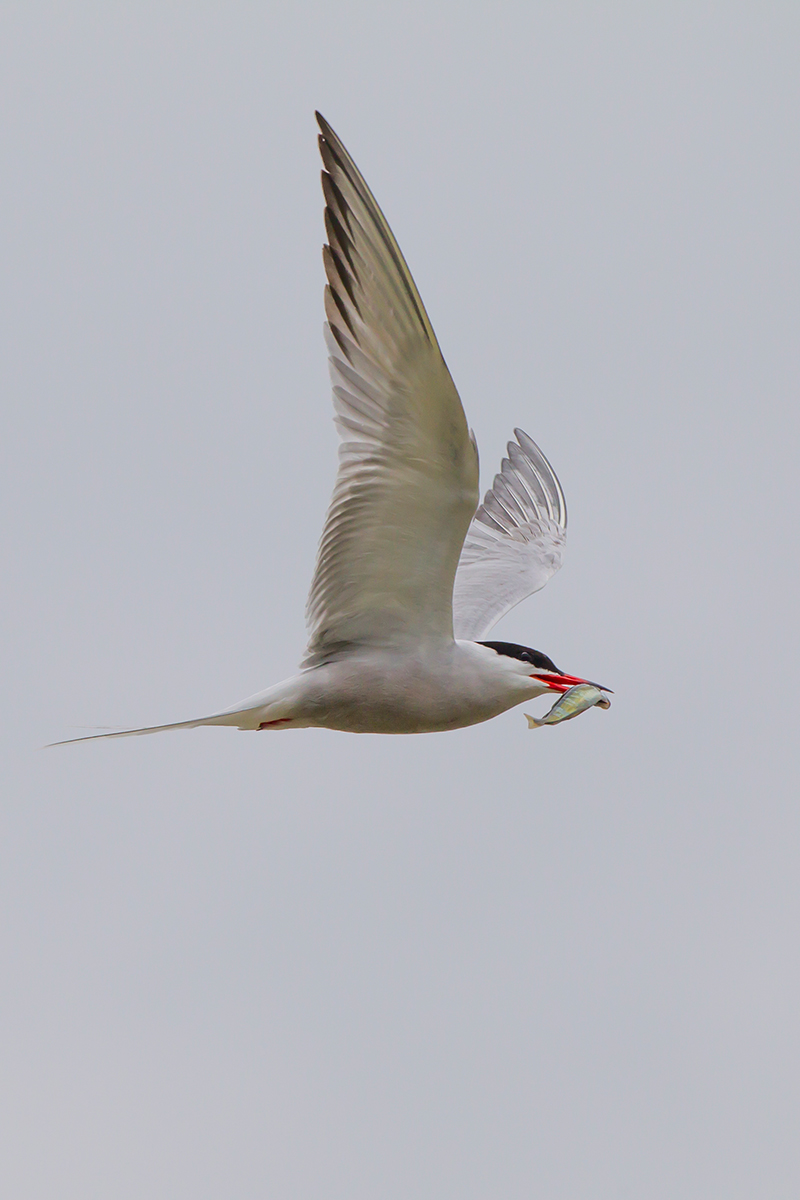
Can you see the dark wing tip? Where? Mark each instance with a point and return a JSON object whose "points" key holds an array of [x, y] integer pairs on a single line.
{"points": [[325, 128]]}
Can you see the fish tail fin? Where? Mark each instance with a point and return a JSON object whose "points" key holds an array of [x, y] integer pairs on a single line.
{"points": [[533, 723]]}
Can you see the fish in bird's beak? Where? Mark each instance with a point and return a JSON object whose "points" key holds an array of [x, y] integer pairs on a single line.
{"points": [[575, 701]]}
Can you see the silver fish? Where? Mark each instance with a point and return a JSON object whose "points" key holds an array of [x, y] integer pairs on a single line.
{"points": [[571, 704]]}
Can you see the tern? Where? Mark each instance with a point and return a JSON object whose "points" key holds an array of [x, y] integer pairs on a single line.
{"points": [[412, 573]]}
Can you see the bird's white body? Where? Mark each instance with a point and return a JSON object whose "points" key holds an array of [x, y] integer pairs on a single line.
{"points": [[431, 687], [411, 573]]}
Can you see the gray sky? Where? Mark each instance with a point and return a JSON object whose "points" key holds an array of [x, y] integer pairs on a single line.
{"points": [[484, 963]]}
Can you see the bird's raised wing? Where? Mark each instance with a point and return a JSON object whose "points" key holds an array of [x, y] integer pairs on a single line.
{"points": [[407, 485], [515, 542]]}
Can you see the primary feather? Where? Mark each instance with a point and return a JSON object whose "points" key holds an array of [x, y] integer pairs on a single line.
{"points": [[407, 485], [515, 541]]}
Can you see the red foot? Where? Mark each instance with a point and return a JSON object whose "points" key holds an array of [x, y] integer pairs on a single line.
{"points": [[280, 721]]}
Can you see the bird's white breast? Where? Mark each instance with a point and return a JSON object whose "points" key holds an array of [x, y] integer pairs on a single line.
{"points": [[429, 687]]}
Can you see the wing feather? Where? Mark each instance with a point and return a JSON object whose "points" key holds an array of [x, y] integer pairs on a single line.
{"points": [[515, 542], [407, 485]]}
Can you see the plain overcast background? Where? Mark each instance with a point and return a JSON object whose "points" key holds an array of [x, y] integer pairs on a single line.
{"points": [[488, 963]]}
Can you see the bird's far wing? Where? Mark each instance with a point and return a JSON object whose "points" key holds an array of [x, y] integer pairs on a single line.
{"points": [[515, 542], [407, 485]]}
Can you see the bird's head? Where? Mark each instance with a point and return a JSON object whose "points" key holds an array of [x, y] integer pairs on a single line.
{"points": [[536, 667]]}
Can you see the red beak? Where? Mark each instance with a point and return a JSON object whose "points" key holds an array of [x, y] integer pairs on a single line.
{"points": [[562, 683]]}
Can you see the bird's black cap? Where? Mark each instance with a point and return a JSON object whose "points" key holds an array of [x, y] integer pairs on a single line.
{"points": [[524, 654]]}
